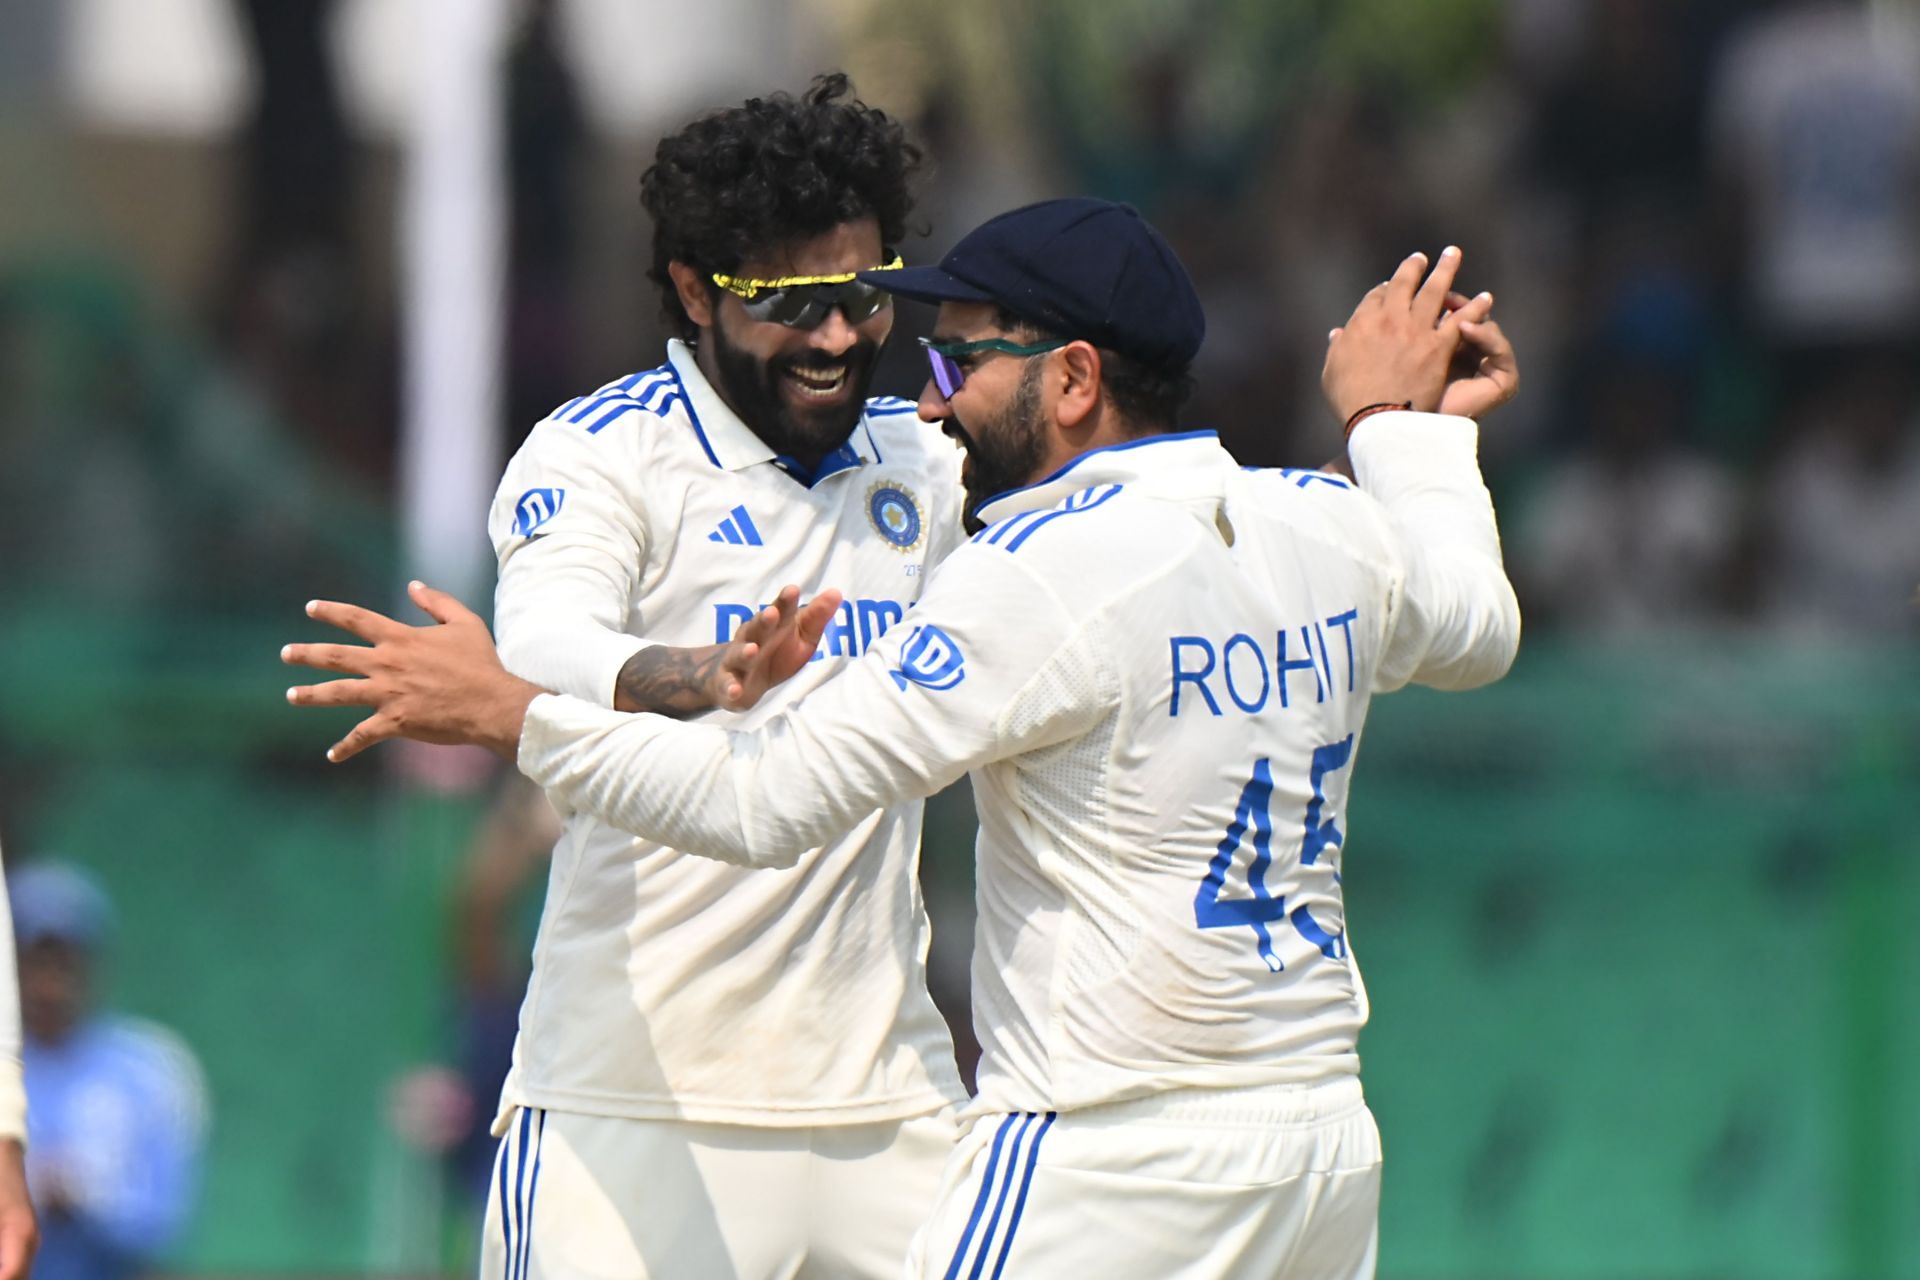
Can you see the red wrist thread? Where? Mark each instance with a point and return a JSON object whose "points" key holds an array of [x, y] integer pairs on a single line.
{"points": [[1372, 409]]}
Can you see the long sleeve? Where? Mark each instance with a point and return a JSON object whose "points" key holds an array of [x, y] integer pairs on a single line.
{"points": [[13, 1090], [570, 538], [1456, 623], [955, 683]]}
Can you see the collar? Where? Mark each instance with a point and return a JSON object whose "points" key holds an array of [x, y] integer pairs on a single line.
{"points": [[732, 444], [1156, 457]]}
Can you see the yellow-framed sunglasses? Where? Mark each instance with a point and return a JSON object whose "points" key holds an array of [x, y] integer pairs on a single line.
{"points": [[804, 302]]}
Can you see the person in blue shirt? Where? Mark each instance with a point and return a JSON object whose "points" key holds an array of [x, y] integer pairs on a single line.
{"points": [[116, 1107]]}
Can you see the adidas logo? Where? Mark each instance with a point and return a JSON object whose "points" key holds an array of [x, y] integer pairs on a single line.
{"points": [[738, 529]]}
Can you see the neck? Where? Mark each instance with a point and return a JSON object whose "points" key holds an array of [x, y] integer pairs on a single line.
{"points": [[1100, 430]]}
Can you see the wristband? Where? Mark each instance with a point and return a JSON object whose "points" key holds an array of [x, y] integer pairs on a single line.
{"points": [[1372, 409]]}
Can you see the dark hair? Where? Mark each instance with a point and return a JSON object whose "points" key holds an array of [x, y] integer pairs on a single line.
{"points": [[1149, 397], [773, 170]]}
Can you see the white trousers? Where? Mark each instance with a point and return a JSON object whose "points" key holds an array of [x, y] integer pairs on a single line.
{"points": [[576, 1196], [1268, 1184]]}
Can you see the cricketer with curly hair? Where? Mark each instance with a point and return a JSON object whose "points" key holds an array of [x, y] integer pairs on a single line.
{"points": [[728, 1072]]}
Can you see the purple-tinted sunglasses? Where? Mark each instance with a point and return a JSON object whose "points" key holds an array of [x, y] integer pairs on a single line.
{"points": [[948, 376]]}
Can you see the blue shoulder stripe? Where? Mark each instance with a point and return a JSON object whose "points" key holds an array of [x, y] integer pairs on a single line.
{"points": [[1303, 476], [627, 384], [1003, 536]]}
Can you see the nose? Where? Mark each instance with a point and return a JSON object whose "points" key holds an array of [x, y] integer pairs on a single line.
{"points": [[933, 406], [833, 335]]}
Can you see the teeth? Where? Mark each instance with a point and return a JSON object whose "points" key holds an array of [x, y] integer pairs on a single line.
{"points": [[816, 387]]}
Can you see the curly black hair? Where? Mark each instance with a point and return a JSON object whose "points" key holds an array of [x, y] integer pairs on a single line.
{"points": [[739, 181]]}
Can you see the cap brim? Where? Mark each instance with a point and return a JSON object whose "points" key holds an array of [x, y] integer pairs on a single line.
{"points": [[926, 284]]}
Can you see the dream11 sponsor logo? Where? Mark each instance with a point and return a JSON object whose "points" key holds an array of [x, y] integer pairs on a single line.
{"points": [[930, 659]]}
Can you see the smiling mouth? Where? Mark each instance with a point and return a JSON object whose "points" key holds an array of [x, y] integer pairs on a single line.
{"points": [[817, 384]]}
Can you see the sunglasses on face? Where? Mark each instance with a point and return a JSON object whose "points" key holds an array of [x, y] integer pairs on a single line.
{"points": [[949, 374], [805, 302]]}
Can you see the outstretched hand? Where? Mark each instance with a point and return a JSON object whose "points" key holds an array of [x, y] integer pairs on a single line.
{"points": [[772, 646], [441, 683]]}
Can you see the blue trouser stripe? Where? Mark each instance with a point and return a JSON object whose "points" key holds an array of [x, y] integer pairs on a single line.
{"points": [[1020, 1202], [533, 1189], [1000, 1201], [980, 1203], [519, 1187], [506, 1226]]}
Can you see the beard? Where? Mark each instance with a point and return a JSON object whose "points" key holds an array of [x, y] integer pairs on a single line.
{"points": [[751, 388], [1003, 452]]}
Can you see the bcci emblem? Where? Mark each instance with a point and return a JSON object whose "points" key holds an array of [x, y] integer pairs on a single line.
{"points": [[895, 516]]}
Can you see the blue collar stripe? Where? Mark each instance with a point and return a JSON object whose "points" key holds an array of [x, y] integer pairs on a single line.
{"points": [[680, 390]]}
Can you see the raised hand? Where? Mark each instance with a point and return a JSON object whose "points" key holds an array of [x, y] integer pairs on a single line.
{"points": [[772, 646], [441, 683], [1485, 373], [1400, 342]]}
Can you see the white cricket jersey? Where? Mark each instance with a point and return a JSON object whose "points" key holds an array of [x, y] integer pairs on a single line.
{"points": [[13, 1089], [672, 986], [1157, 666]]}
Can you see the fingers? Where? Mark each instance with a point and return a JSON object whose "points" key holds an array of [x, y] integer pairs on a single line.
{"points": [[1406, 278], [1489, 339], [1474, 310], [374, 729], [438, 605], [815, 617], [365, 623], [1430, 301], [346, 659], [335, 693]]}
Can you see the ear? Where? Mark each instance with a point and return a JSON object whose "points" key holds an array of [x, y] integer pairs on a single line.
{"points": [[1079, 383], [695, 296]]}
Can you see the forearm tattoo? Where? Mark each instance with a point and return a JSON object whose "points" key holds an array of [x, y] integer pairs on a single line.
{"points": [[668, 681]]}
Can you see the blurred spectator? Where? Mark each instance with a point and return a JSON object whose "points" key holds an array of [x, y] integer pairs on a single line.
{"points": [[497, 911], [1815, 137], [1635, 531], [447, 1110], [1843, 506], [546, 133], [118, 1114]]}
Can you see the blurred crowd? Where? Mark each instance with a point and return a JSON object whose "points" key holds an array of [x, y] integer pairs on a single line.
{"points": [[1702, 223]]}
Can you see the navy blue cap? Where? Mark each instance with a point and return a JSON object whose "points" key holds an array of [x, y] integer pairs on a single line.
{"points": [[1078, 267]]}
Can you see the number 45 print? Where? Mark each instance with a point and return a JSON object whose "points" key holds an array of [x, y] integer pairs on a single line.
{"points": [[1253, 815]]}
